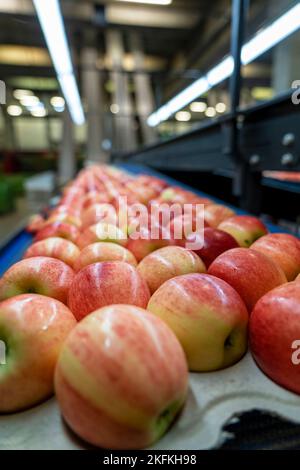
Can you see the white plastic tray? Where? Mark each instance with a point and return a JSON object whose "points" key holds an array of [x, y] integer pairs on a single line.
{"points": [[214, 398]]}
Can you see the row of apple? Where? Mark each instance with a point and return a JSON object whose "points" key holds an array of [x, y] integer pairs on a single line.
{"points": [[120, 321]]}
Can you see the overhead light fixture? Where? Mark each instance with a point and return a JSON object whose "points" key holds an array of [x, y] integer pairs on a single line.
{"points": [[114, 108], [264, 40], [57, 101], [29, 100], [149, 2], [267, 38], [14, 110], [19, 94], [210, 112], [198, 107], [51, 21], [183, 116], [220, 107], [41, 112]]}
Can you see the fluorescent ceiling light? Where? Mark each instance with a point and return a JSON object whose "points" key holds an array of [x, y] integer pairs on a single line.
{"points": [[57, 101], [198, 106], [220, 107], [149, 2], [264, 40], [114, 108], [19, 94], [210, 112], [183, 116], [29, 100], [39, 112], [51, 21], [14, 110]]}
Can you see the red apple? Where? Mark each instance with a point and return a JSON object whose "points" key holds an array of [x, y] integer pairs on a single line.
{"points": [[35, 223], [54, 247], [244, 228], [34, 328], [39, 275], [212, 243], [250, 273], [144, 240], [66, 218], [99, 213], [103, 251], [121, 378], [275, 335], [214, 214], [284, 249], [101, 284], [102, 232], [208, 317], [58, 229], [168, 262], [94, 198]]}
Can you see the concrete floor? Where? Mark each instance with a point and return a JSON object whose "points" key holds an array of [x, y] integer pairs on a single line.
{"points": [[14, 221]]}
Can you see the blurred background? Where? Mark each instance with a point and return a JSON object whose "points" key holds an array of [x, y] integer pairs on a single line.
{"points": [[129, 59]]}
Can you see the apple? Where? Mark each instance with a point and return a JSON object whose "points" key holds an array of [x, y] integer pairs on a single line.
{"points": [[166, 263], [144, 240], [102, 232], [208, 317], [94, 197], [121, 378], [284, 249], [58, 229], [35, 223], [97, 213], [103, 251], [54, 247], [214, 214], [101, 284], [34, 328], [182, 226], [65, 217], [250, 273], [275, 335], [244, 228], [39, 275], [212, 243]]}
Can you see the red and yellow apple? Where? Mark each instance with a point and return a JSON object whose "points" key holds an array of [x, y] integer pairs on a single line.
{"points": [[121, 378], [39, 275], [275, 335], [54, 247], [34, 328], [168, 262], [58, 229], [250, 273], [214, 214], [244, 228], [208, 317], [102, 232], [103, 251], [101, 284], [283, 249], [99, 213]]}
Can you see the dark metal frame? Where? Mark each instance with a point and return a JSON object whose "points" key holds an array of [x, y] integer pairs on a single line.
{"points": [[248, 141]]}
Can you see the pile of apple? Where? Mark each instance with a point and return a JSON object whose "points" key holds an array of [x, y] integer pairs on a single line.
{"points": [[112, 324]]}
